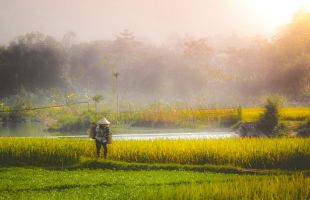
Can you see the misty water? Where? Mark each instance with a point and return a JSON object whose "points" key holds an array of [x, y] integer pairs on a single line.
{"points": [[35, 129], [18, 129]]}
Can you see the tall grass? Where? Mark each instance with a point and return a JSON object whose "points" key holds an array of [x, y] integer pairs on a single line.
{"points": [[243, 188], [264, 153], [35, 151], [249, 153]]}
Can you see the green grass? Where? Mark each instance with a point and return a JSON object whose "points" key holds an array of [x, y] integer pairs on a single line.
{"points": [[38, 183], [241, 188]]}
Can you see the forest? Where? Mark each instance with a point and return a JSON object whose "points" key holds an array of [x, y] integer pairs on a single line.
{"points": [[217, 71]]}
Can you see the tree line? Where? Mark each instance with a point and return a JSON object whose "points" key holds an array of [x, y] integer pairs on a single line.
{"points": [[237, 70]]}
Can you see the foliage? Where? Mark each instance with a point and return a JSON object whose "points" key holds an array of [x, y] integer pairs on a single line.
{"points": [[72, 98], [280, 130], [270, 119], [32, 61], [71, 122], [155, 118], [97, 98], [290, 47], [182, 118], [19, 102], [304, 129], [235, 71], [169, 118]]}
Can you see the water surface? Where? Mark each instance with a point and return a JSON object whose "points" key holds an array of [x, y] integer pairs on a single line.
{"points": [[35, 129]]}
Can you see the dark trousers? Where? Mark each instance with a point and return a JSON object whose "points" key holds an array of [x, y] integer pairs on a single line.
{"points": [[105, 148]]}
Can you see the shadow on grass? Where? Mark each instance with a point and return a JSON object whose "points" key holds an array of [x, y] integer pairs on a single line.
{"points": [[87, 163], [58, 187], [116, 165], [103, 184]]}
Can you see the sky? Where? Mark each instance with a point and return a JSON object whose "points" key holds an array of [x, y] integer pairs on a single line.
{"points": [[151, 20]]}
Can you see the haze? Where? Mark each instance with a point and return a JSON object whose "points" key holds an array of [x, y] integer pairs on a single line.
{"points": [[153, 20]]}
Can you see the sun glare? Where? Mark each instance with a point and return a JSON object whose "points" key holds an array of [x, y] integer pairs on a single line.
{"points": [[276, 11]]}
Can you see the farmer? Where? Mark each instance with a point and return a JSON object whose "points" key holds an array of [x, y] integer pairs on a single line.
{"points": [[102, 134]]}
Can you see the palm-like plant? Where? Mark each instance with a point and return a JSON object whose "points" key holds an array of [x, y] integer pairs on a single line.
{"points": [[97, 99]]}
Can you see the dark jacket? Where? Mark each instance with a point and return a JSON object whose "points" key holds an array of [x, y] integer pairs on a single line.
{"points": [[102, 134]]}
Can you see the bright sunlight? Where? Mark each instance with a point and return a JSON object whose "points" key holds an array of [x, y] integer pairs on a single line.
{"points": [[276, 11]]}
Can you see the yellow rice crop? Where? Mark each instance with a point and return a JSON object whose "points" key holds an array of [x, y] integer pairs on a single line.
{"points": [[252, 114], [284, 153]]}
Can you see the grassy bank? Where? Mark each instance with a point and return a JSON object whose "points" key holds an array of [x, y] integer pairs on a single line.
{"points": [[78, 117], [38, 183], [261, 153], [168, 117]]}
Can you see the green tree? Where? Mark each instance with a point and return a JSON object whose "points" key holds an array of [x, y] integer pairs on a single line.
{"points": [[32, 61], [270, 119], [291, 57], [97, 99]]}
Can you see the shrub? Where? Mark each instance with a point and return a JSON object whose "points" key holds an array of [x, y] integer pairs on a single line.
{"points": [[270, 119], [304, 129], [67, 123], [280, 130]]}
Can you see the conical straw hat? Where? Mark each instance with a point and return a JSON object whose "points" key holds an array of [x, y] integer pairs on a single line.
{"points": [[103, 121]]}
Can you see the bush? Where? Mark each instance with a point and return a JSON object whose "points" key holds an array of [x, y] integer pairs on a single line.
{"points": [[304, 129], [67, 123], [270, 119], [280, 130]]}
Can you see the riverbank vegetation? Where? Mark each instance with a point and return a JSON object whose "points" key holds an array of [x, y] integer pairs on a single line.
{"points": [[77, 118]]}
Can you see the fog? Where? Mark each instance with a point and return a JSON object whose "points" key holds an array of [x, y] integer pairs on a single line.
{"points": [[151, 20], [226, 52]]}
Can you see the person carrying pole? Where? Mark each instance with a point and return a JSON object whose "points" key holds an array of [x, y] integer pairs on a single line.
{"points": [[102, 136]]}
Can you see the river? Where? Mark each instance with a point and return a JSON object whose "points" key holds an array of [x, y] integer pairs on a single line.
{"points": [[34, 129]]}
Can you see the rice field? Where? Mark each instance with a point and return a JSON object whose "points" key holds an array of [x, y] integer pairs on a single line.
{"points": [[172, 181], [38, 183], [242, 188], [39, 151], [287, 114], [261, 153], [196, 117]]}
